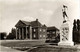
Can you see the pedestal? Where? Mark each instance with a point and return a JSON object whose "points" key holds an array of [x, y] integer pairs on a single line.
{"points": [[66, 34], [67, 43]]}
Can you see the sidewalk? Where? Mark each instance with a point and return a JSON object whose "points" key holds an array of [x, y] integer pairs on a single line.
{"points": [[6, 49]]}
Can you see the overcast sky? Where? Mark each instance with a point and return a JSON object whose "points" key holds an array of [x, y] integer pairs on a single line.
{"points": [[48, 12]]}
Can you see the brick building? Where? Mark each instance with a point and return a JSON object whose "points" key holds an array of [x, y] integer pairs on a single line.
{"points": [[52, 32], [30, 30]]}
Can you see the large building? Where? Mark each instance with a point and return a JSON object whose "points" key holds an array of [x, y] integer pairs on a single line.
{"points": [[52, 32], [30, 30]]}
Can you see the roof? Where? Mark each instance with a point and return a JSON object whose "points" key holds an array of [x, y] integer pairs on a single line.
{"points": [[22, 23], [35, 23], [44, 26], [52, 28], [25, 22]]}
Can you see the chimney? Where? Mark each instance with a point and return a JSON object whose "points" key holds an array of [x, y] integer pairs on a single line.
{"points": [[44, 25], [36, 19]]}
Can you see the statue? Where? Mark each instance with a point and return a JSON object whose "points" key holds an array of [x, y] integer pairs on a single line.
{"points": [[66, 30], [64, 13]]}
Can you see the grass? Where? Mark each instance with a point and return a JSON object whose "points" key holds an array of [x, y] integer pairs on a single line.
{"points": [[22, 45], [37, 46], [54, 49]]}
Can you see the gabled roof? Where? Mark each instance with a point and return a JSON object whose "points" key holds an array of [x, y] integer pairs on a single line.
{"points": [[36, 24], [32, 23], [52, 28], [22, 23], [44, 26], [25, 22]]}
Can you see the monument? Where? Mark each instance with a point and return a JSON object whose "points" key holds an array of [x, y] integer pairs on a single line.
{"points": [[66, 30]]}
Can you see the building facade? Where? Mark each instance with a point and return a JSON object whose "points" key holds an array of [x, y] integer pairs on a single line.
{"points": [[30, 30], [52, 32]]}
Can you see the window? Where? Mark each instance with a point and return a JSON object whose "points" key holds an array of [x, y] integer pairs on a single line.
{"points": [[40, 29], [53, 32], [40, 35], [34, 30], [43, 35], [34, 35], [47, 32], [44, 30]]}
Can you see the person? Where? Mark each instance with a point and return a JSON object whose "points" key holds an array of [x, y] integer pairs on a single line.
{"points": [[64, 13]]}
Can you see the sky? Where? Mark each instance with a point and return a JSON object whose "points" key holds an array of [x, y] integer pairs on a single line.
{"points": [[48, 12]]}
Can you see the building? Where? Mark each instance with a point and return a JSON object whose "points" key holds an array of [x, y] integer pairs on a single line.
{"points": [[52, 32], [30, 30]]}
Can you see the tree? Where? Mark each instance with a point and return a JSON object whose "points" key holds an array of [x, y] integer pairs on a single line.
{"points": [[14, 32], [3, 35], [78, 21], [78, 27], [79, 30], [12, 35], [75, 31]]}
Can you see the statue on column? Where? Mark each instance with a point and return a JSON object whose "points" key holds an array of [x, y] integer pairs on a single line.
{"points": [[66, 30], [65, 17]]}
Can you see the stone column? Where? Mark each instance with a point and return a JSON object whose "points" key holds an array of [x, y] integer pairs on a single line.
{"points": [[26, 33], [19, 33], [22, 33], [16, 33], [30, 32]]}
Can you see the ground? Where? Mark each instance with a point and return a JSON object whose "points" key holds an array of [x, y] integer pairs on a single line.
{"points": [[34, 46], [21, 45]]}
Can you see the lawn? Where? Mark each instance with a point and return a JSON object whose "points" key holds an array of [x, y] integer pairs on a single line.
{"points": [[54, 48], [22, 44], [38, 46]]}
